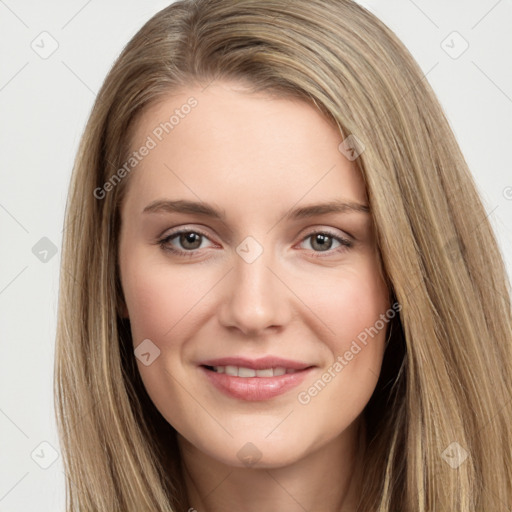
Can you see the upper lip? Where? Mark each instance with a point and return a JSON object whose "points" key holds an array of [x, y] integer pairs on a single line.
{"points": [[257, 364]]}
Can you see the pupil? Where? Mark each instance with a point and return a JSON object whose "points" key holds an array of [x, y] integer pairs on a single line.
{"points": [[323, 241], [188, 239]]}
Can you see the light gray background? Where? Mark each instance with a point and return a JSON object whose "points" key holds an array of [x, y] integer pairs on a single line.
{"points": [[44, 106]]}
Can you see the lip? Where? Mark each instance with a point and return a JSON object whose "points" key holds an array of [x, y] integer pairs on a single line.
{"points": [[255, 388], [257, 364]]}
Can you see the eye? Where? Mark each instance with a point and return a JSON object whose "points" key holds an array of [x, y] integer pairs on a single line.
{"points": [[189, 240], [323, 241]]}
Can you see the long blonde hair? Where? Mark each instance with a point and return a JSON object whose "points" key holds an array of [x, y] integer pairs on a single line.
{"points": [[446, 376]]}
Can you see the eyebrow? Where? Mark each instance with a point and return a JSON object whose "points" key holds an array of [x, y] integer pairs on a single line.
{"points": [[202, 208]]}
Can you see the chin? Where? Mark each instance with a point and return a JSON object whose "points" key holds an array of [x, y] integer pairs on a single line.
{"points": [[250, 451]]}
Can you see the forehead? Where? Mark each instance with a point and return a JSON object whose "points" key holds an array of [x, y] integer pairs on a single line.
{"points": [[233, 147]]}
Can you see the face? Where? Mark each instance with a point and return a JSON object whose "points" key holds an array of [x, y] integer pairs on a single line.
{"points": [[251, 290]]}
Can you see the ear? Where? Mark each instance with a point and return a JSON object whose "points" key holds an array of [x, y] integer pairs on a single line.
{"points": [[122, 309]]}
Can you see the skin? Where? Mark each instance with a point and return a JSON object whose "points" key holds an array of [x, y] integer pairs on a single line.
{"points": [[254, 157]]}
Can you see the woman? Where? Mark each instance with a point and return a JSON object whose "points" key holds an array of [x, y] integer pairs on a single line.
{"points": [[279, 286]]}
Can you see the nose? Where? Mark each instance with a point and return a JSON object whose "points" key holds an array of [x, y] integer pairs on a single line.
{"points": [[254, 297]]}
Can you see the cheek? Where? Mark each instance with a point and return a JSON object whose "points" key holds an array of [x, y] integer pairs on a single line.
{"points": [[358, 316], [354, 309], [161, 301], [158, 296], [150, 307], [348, 305]]}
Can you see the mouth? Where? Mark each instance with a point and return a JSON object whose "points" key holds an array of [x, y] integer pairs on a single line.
{"points": [[244, 372], [255, 380]]}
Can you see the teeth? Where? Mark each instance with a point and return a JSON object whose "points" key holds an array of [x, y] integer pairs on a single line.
{"points": [[246, 372], [236, 371], [231, 370], [265, 373]]}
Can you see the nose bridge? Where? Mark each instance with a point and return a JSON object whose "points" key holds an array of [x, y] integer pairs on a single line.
{"points": [[254, 298]]}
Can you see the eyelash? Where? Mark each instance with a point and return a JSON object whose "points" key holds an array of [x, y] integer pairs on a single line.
{"points": [[345, 244]]}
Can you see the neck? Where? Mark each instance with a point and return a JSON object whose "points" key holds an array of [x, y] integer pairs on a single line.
{"points": [[325, 479]]}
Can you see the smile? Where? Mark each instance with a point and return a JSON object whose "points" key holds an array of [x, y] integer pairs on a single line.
{"points": [[255, 380], [241, 371]]}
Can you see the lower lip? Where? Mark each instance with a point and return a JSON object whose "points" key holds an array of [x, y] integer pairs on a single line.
{"points": [[255, 388]]}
